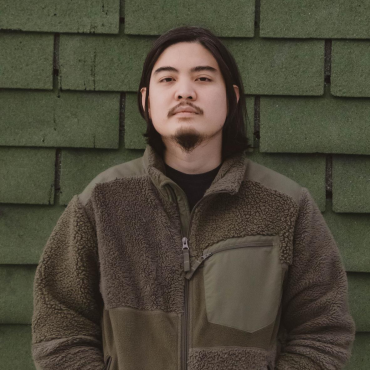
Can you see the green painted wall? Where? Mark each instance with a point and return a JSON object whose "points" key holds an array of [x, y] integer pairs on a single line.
{"points": [[69, 73]]}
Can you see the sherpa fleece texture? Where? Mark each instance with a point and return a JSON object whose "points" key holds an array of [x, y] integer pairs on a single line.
{"points": [[109, 287]]}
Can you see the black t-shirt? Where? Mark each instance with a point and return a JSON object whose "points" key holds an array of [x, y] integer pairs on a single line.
{"points": [[194, 185]]}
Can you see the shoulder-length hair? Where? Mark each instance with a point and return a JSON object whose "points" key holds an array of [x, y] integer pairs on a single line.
{"points": [[234, 140]]}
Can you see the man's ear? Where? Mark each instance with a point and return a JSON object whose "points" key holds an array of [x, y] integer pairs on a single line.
{"points": [[143, 97], [236, 89]]}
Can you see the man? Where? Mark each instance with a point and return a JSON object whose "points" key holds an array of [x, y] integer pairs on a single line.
{"points": [[191, 257]]}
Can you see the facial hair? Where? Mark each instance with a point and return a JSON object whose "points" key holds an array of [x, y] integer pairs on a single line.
{"points": [[187, 139]]}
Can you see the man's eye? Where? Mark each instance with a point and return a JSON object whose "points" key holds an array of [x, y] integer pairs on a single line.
{"points": [[167, 78], [204, 78]]}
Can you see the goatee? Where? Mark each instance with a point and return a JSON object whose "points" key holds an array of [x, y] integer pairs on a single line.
{"points": [[188, 139]]}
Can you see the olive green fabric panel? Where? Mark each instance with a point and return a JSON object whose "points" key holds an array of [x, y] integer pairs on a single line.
{"points": [[240, 272], [308, 170], [145, 340], [79, 167], [206, 334]]}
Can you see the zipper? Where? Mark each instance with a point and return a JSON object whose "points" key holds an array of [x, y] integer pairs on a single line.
{"points": [[187, 268], [198, 263], [107, 363]]}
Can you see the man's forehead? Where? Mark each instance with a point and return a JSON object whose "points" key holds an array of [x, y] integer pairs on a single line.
{"points": [[187, 56]]}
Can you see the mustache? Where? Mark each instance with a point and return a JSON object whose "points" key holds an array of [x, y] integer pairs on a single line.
{"points": [[197, 109]]}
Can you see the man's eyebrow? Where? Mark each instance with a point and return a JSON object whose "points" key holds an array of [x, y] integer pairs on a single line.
{"points": [[194, 69]]}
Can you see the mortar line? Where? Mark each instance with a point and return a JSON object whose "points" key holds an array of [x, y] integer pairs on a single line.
{"points": [[257, 121], [327, 63], [257, 18], [329, 176], [56, 89], [58, 164], [327, 82], [56, 65], [122, 103]]}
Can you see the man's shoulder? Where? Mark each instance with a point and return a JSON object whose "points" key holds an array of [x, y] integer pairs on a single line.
{"points": [[272, 180], [133, 168]]}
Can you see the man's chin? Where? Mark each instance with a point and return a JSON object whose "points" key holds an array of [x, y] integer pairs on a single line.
{"points": [[188, 139]]}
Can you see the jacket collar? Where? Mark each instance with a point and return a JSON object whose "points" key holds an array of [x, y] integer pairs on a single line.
{"points": [[228, 178]]}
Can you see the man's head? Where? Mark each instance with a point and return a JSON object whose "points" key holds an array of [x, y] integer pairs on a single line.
{"points": [[189, 68]]}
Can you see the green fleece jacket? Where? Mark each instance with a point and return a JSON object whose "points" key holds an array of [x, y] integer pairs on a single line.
{"points": [[250, 279]]}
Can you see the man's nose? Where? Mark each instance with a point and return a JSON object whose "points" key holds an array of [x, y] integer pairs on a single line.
{"points": [[185, 91]]}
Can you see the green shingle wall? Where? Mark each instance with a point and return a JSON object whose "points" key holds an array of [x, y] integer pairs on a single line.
{"points": [[350, 68], [83, 16], [324, 19], [27, 175], [351, 231], [225, 18], [15, 347], [26, 60], [102, 62], [280, 67], [24, 230], [69, 73], [351, 183], [324, 124], [67, 119]]}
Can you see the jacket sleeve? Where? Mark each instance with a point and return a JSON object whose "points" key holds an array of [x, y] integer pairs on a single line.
{"points": [[319, 328], [66, 332]]}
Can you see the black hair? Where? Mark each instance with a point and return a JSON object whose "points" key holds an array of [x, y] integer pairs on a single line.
{"points": [[234, 139]]}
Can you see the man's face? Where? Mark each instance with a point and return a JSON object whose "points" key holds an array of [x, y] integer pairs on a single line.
{"points": [[186, 75]]}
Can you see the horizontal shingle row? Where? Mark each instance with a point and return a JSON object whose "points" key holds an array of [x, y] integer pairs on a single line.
{"points": [[92, 16], [26, 60], [315, 19], [287, 124], [278, 18], [315, 125], [227, 19], [64, 119], [27, 175], [114, 62], [24, 230]]}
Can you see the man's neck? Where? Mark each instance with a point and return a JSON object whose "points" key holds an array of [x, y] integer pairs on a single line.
{"points": [[202, 159]]}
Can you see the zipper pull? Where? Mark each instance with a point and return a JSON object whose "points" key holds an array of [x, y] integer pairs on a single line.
{"points": [[195, 265], [186, 254]]}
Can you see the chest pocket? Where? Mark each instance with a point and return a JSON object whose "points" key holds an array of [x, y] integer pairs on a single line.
{"points": [[243, 282]]}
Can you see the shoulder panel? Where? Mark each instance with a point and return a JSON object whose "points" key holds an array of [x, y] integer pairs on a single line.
{"points": [[134, 168], [272, 180]]}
